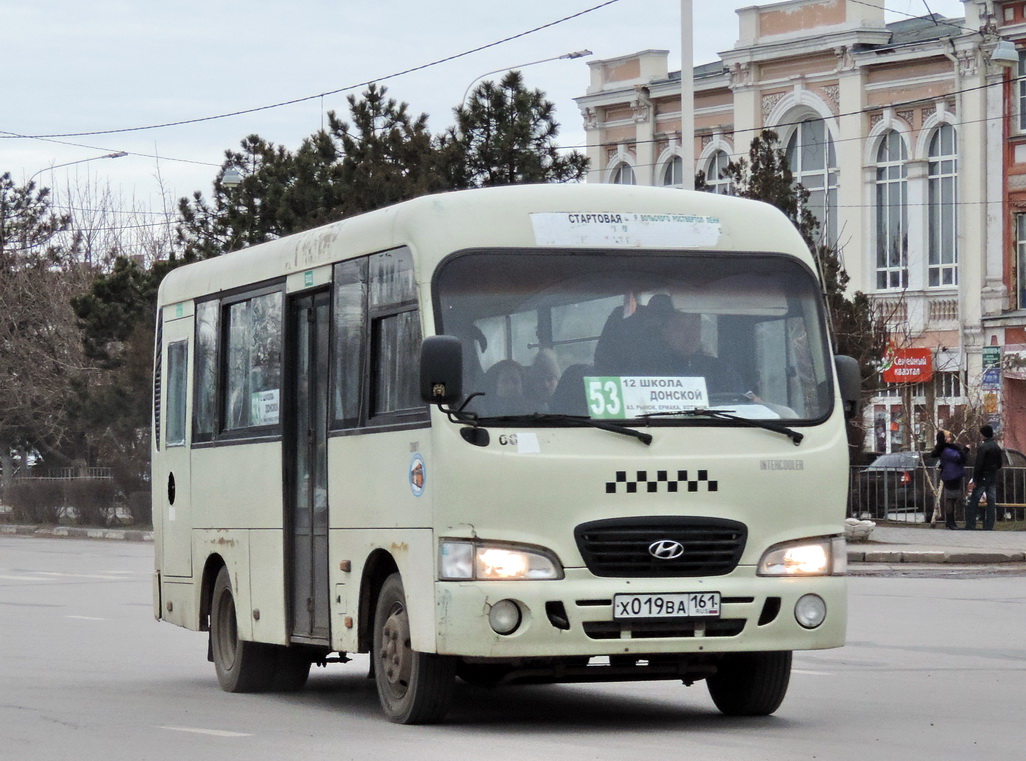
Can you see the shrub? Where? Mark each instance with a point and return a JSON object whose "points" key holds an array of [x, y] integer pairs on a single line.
{"points": [[141, 508], [36, 500], [94, 499]]}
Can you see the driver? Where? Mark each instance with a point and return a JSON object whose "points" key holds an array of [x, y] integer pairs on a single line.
{"points": [[681, 333]]}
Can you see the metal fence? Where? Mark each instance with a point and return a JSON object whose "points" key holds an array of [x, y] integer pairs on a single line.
{"points": [[68, 474], [909, 495], [87, 496]]}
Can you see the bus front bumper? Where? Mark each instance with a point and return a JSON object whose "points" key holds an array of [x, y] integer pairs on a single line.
{"points": [[574, 616]]}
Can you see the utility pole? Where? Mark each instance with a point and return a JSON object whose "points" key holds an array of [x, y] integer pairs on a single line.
{"points": [[687, 94]]}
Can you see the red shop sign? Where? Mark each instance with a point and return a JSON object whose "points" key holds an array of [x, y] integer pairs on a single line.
{"points": [[909, 366]]}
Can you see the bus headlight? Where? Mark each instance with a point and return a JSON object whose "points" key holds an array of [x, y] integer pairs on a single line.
{"points": [[465, 561], [826, 556]]}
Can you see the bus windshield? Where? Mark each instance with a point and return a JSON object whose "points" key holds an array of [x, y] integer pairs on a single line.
{"points": [[622, 336]]}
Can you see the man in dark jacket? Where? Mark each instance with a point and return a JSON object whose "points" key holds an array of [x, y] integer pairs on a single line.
{"points": [[985, 473]]}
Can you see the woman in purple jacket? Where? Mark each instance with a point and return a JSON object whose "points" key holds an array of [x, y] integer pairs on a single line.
{"points": [[951, 458]]}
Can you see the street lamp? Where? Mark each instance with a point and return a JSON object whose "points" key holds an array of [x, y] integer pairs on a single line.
{"points": [[567, 56], [1005, 54], [231, 178], [115, 155]]}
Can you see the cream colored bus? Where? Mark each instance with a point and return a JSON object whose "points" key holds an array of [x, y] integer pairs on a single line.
{"points": [[524, 434]]}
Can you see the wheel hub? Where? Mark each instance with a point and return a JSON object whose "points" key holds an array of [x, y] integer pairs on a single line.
{"points": [[394, 656]]}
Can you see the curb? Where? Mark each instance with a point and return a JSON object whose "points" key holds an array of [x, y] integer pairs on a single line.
{"points": [[935, 556], [131, 535]]}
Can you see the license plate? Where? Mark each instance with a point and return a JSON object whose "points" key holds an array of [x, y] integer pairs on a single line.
{"points": [[677, 605]]}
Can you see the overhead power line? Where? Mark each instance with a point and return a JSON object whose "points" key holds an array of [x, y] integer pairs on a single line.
{"points": [[404, 72]]}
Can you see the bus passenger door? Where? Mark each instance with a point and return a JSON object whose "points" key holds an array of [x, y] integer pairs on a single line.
{"points": [[306, 486]]}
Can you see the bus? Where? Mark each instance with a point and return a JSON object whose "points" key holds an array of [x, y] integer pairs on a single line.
{"points": [[560, 433]]}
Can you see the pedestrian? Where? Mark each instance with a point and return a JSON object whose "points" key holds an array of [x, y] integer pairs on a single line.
{"points": [[988, 461], [951, 458]]}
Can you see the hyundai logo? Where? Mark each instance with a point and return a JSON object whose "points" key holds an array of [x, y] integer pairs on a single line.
{"points": [[666, 549]]}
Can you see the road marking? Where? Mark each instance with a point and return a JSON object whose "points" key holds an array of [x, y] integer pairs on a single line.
{"points": [[808, 672], [56, 575], [6, 577], [211, 732], [87, 618], [109, 576]]}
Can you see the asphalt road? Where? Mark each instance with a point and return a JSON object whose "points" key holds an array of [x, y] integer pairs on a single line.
{"points": [[934, 669]]}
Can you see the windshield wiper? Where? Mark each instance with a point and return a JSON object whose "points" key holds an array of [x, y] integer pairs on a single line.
{"points": [[769, 425], [584, 420]]}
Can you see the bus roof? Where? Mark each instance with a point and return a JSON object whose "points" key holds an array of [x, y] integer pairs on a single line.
{"points": [[516, 216]]}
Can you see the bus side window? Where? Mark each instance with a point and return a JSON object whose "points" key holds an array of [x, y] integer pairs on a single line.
{"points": [[396, 344], [350, 308], [253, 362], [395, 337], [204, 416], [177, 388], [377, 341]]}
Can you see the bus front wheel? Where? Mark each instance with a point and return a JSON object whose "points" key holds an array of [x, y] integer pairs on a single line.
{"points": [[241, 666], [413, 687], [750, 684]]}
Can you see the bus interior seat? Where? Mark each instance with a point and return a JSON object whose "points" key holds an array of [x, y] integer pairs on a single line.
{"points": [[569, 397]]}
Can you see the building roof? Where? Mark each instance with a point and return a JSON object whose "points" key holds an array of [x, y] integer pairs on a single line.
{"points": [[905, 32], [925, 28]]}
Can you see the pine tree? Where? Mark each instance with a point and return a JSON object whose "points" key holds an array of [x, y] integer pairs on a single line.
{"points": [[386, 156], [505, 135]]}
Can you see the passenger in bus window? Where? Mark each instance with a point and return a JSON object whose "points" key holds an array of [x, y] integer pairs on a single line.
{"points": [[542, 379], [504, 388]]}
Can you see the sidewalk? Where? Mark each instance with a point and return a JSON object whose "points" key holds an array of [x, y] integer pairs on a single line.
{"points": [[894, 544]]}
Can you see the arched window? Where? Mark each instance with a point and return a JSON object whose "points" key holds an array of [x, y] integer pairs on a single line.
{"points": [[715, 181], [673, 175], [942, 203], [891, 213], [810, 154], [624, 175]]}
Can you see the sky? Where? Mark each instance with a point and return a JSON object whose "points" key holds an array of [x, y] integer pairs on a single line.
{"points": [[110, 67]]}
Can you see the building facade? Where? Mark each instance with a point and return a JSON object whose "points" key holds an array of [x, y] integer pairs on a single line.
{"points": [[911, 138]]}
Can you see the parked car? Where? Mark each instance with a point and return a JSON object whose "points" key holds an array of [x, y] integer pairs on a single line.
{"points": [[897, 482]]}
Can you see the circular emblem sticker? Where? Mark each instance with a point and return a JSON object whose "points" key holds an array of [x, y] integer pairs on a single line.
{"points": [[418, 474]]}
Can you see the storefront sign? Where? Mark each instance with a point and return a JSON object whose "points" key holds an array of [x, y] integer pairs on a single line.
{"points": [[991, 357], [908, 366]]}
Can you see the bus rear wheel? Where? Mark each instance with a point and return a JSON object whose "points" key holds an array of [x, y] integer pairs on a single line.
{"points": [[241, 666], [413, 687], [750, 684]]}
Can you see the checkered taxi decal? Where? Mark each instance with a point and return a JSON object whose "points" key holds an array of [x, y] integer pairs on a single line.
{"points": [[643, 482]]}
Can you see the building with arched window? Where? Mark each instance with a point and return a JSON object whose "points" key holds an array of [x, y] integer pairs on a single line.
{"points": [[907, 136]]}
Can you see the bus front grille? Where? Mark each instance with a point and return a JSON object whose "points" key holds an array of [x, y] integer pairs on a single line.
{"points": [[661, 546]]}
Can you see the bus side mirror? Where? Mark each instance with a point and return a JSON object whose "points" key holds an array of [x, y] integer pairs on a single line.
{"points": [[849, 378], [441, 369]]}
